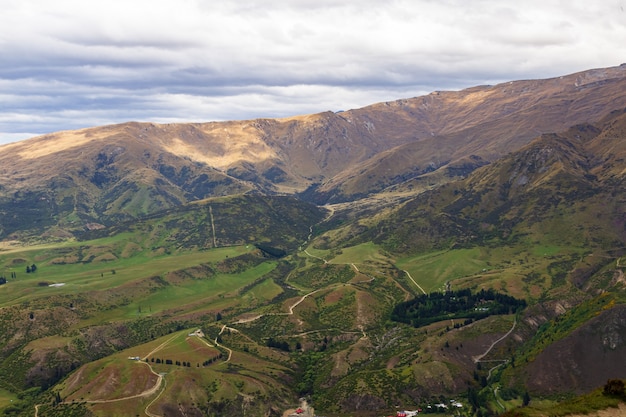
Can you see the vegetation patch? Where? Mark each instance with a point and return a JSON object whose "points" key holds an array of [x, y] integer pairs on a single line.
{"points": [[603, 398], [462, 304]]}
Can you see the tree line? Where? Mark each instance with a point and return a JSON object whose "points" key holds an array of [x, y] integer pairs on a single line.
{"points": [[461, 304], [185, 363]]}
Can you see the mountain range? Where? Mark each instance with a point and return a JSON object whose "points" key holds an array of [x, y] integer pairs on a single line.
{"points": [[320, 226], [106, 174]]}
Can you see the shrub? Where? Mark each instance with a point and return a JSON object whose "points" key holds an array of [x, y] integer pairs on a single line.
{"points": [[614, 387]]}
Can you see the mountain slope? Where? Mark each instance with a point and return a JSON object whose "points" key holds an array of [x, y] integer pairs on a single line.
{"points": [[460, 131], [555, 175], [107, 174]]}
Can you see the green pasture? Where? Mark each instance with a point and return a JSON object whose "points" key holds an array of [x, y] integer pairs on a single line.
{"points": [[547, 250], [263, 291], [311, 252], [503, 268], [95, 276], [432, 270], [153, 347], [6, 398], [358, 254], [183, 348], [214, 293]]}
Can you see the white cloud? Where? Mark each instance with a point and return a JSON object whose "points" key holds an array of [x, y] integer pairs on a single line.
{"points": [[69, 63]]}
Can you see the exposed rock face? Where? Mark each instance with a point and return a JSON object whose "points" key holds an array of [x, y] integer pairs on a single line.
{"points": [[585, 359]]}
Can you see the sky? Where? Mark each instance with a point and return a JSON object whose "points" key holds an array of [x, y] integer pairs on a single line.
{"points": [[69, 64]]}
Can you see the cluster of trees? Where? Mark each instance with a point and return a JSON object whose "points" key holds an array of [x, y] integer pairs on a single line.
{"points": [[31, 268], [213, 359], [462, 304], [284, 346], [170, 362], [185, 363]]}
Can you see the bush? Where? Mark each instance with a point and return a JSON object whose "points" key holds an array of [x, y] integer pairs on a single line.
{"points": [[614, 387]]}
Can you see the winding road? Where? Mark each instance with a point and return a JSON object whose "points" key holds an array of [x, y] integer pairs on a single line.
{"points": [[479, 357]]}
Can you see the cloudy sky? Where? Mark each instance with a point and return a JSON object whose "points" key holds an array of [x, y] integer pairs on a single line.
{"points": [[67, 64]]}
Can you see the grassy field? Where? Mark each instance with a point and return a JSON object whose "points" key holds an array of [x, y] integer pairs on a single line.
{"points": [[79, 277], [433, 270], [6, 398], [359, 254], [524, 271], [196, 291]]}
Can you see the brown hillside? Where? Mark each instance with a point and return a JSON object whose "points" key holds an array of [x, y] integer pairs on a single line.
{"points": [[583, 360], [463, 130], [110, 173]]}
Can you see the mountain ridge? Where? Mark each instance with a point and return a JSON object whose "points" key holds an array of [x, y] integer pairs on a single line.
{"points": [[326, 157]]}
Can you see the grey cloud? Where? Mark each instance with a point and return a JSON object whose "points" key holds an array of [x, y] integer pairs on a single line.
{"points": [[71, 64]]}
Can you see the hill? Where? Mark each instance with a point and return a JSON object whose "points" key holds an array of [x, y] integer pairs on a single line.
{"points": [[198, 251]]}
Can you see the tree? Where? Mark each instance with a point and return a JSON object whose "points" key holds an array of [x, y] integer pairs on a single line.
{"points": [[525, 399], [614, 387], [472, 398]]}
